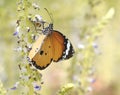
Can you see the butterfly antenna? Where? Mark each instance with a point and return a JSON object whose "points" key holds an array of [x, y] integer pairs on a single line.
{"points": [[51, 16]]}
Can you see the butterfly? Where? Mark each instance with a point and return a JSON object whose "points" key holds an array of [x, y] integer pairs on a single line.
{"points": [[53, 46]]}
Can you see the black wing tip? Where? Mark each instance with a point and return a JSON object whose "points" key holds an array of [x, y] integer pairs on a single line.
{"points": [[71, 52], [68, 51]]}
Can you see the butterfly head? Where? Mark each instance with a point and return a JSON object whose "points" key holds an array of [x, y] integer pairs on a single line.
{"points": [[47, 30]]}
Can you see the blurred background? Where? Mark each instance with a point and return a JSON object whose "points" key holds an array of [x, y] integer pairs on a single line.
{"points": [[69, 17]]}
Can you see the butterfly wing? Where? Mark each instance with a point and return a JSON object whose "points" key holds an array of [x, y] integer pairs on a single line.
{"points": [[45, 54], [36, 46], [58, 47], [54, 47], [63, 48]]}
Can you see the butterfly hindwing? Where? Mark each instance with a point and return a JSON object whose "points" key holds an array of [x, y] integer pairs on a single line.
{"points": [[36, 46], [45, 55]]}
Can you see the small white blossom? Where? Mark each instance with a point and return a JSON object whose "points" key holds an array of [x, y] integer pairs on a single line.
{"points": [[81, 46]]}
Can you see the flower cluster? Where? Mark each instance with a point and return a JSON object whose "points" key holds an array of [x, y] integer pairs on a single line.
{"points": [[28, 27]]}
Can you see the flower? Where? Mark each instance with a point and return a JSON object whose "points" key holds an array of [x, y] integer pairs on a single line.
{"points": [[15, 86], [36, 86], [17, 31], [35, 6], [81, 46]]}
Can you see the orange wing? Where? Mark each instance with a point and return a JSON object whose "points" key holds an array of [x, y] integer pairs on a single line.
{"points": [[36, 46], [45, 54], [58, 45], [63, 48]]}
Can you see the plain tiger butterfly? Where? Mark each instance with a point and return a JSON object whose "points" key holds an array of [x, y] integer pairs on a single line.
{"points": [[53, 46]]}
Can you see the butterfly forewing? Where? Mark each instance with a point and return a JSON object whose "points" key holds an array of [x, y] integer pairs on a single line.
{"points": [[63, 48], [68, 51], [58, 45]]}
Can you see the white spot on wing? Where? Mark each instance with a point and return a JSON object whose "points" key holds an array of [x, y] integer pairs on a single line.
{"points": [[68, 47], [67, 50]]}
